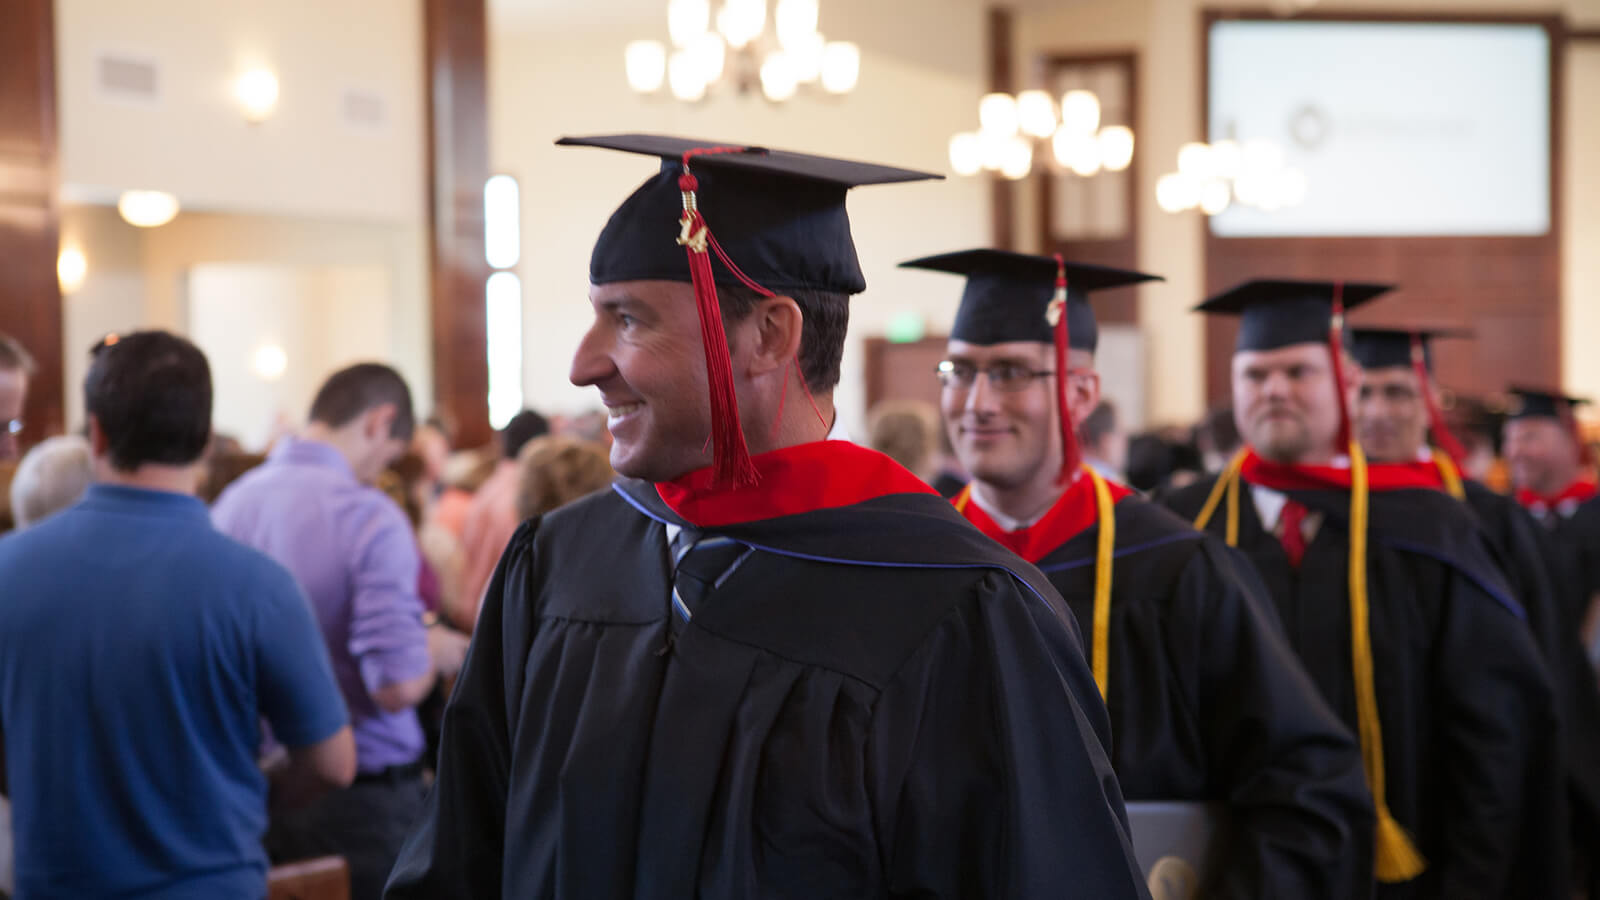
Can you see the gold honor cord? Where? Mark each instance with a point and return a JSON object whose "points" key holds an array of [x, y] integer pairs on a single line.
{"points": [[1397, 857], [1100, 654], [1450, 474]]}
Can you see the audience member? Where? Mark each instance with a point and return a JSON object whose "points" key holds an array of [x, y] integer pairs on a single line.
{"points": [[1217, 440], [492, 519], [312, 507], [907, 431], [52, 477], [138, 649], [464, 472], [555, 470], [1104, 443], [16, 367]]}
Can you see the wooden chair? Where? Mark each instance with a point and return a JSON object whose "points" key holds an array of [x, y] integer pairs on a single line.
{"points": [[324, 878]]}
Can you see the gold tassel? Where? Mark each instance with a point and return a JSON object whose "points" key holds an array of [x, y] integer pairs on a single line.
{"points": [[1101, 656], [1397, 858], [1450, 474]]}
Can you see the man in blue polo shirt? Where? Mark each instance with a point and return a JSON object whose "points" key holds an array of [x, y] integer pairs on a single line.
{"points": [[139, 649]]}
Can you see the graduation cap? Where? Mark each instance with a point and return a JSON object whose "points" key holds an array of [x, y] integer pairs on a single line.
{"points": [[1008, 295], [719, 213], [1275, 313], [1023, 297], [1534, 403], [1388, 348]]}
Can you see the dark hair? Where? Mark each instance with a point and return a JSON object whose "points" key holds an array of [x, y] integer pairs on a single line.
{"points": [[1219, 432], [523, 427], [826, 315], [1101, 421], [151, 393], [352, 391], [14, 358]]}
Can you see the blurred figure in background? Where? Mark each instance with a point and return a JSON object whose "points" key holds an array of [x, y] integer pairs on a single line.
{"points": [[1104, 443], [1156, 460], [16, 367], [492, 518], [1216, 439], [555, 470], [906, 431], [50, 478]]}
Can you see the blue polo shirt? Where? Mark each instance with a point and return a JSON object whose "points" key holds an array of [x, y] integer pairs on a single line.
{"points": [[138, 650]]}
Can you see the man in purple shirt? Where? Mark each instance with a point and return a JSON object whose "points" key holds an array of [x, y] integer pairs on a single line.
{"points": [[312, 507]]}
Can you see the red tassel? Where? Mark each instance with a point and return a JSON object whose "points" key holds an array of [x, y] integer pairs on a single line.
{"points": [[1336, 347], [1441, 432], [1069, 436], [730, 454]]}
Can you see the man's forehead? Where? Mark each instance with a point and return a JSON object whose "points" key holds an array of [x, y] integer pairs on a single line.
{"points": [[643, 291], [1294, 354], [1021, 350]]}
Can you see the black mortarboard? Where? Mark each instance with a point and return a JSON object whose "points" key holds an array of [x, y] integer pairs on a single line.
{"points": [[1008, 294], [1277, 313], [1534, 403], [779, 216], [731, 214], [1386, 348]]}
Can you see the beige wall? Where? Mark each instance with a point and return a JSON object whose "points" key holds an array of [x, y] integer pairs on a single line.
{"points": [[304, 161], [916, 90], [1167, 35], [138, 277]]}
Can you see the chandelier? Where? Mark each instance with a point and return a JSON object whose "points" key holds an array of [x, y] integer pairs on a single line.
{"points": [[740, 53], [1213, 177], [1009, 127]]}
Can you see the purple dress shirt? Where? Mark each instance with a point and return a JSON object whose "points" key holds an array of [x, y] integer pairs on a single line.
{"points": [[355, 557]]}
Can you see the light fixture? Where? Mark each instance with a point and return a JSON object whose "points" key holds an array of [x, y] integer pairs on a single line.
{"points": [[1116, 147], [71, 268], [1213, 177], [841, 67], [1078, 143], [257, 93], [647, 66], [730, 43], [1080, 112], [687, 20], [147, 209], [269, 362], [1018, 159]]}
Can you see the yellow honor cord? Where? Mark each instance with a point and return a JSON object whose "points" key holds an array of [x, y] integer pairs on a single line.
{"points": [[1100, 656], [1397, 858], [1450, 474], [962, 499]]}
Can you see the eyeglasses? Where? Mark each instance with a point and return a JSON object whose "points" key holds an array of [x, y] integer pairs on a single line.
{"points": [[11, 426], [1002, 376]]}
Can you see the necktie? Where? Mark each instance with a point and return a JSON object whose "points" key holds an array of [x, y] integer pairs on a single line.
{"points": [[1292, 532], [700, 564]]}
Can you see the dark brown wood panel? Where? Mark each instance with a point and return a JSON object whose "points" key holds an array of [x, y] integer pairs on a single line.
{"points": [[903, 371], [1507, 289], [458, 165], [1119, 305], [1002, 77], [30, 298]]}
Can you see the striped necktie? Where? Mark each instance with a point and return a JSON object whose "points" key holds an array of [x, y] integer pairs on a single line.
{"points": [[700, 564]]}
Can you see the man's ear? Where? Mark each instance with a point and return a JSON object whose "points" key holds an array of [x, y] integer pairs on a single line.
{"points": [[99, 444], [776, 327], [1084, 393]]}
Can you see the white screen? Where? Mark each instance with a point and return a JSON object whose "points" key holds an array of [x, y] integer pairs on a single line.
{"points": [[1425, 129]]}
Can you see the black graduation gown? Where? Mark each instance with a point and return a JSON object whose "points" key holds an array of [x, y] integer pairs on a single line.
{"points": [[878, 703], [1468, 719], [1208, 703]]}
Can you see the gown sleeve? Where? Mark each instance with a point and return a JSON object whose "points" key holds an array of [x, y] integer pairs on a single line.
{"points": [[1300, 816], [457, 848], [986, 770]]}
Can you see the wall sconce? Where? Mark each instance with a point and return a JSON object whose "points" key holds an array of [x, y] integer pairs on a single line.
{"points": [[147, 209], [257, 93], [71, 268]]}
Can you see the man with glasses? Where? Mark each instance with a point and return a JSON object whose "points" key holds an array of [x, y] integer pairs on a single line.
{"points": [[1208, 703], [16, 367]]}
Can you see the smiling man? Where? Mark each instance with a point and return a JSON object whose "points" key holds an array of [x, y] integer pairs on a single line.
{"points": [[1389, 594], [769, 664], [1185, 645]]}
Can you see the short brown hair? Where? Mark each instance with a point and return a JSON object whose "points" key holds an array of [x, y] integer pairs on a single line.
{"points": [[826, 315], [14, 358], [907, 431], [555, 470]]}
